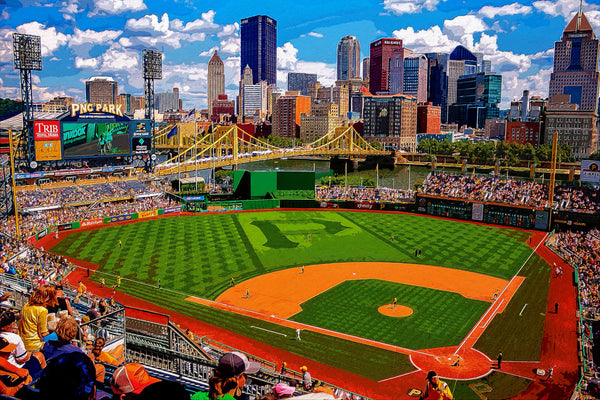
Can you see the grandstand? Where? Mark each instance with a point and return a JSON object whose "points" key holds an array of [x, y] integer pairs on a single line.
{"points": [[156, 334]]}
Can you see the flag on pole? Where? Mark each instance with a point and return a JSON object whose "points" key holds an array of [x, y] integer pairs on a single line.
{"points": [[172, 132], [191, 117]]}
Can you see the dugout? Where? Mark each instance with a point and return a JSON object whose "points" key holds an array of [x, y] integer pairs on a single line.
{"points": [[255, 185]]}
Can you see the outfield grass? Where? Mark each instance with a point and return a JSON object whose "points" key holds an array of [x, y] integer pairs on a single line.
{"points": [[198, 255], [439, 318]]}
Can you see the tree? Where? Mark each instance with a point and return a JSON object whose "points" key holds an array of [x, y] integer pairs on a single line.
{"points": [[9, 107], [595, 156]]}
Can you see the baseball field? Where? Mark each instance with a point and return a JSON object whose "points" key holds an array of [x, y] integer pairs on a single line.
{"points": [[334, 274]]}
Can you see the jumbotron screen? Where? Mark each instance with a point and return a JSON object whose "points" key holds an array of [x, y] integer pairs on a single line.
{"points": [[95, 139]]}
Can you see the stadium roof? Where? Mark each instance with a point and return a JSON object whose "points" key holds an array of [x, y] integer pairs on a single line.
{"points": [[16, 122]]}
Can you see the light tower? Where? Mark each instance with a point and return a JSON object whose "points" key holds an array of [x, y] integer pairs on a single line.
{"points": [[27, 56], [152, 69]]}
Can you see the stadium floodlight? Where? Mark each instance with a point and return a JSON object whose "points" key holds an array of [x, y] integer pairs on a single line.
{"points": [[27, 50], [152, 63]]}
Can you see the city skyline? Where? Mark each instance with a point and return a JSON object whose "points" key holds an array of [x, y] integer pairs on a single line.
{"points": [[86, 38]]}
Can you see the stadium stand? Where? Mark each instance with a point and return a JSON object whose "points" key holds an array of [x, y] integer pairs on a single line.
{"points": [[169, 352]]}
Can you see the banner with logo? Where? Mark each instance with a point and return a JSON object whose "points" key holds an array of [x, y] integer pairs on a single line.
{"points": [[65, 227], [590, 171], [121, 218], [364, 205], [46, 130], [47, 150], [477, 213], [147, 214], [92, 222], [170, 210]]}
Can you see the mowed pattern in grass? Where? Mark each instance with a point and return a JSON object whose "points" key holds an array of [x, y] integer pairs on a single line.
{"points": [[439, 318], [198, 255]]}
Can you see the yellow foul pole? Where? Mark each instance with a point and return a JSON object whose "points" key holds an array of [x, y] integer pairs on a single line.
{"points": [[553, 169], [14, 187]]}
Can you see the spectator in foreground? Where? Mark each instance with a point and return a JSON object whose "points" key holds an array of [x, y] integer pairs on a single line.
{"points": [[436, 388], [34, 318], [19, 357], [228, 378], [129, 380], [70, 376], [164, 390]]}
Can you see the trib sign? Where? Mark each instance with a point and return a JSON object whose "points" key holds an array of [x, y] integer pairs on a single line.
{"points": [[46, 130]]}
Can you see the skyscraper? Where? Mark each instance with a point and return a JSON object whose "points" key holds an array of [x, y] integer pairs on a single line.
{"points": [[348, 58], [298, 81], [415, 77], [381, 52], [259, 48], [576, 64], [215, 80], [101, 89], [573, 109]]}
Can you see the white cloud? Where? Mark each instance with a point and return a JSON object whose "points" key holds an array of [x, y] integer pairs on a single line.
{"points": [[228, 30], [149, 24], [70, 7], [400, 7], [315, 34], [463, 27], [287, 56], [209, 52], [502, 61], [90, 37], [426, 40], [205, 24], [4, 15], [117, 58], [151, 31], [86, 62], [104, 7], [509, 9], [6, 51], [51, 39], [231, 45]]}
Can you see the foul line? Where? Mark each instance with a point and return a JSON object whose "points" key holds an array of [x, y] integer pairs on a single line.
{"points": [[503, 290], [267, 330]]}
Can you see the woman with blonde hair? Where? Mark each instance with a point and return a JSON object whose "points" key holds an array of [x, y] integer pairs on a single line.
{"points": [[33, 325]]}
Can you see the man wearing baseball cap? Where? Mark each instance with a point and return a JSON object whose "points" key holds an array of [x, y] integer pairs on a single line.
{"points": [[436, 388], [129, 380], [229, 377]]}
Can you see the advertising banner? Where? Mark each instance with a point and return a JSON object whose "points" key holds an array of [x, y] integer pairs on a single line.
{"points": [[72, 171], [65, 227], [140, 145], [170, 210], [363, 205], [193, 198], [91, 222], [590, 171], [121, 218], [477, 214], [140, 128], [94, 139], [47, 150], [31, 175], [41, 234], [46, 130], [147, 214]]}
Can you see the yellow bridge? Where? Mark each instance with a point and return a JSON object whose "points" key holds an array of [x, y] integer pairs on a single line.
{"points": [[230, 145]]}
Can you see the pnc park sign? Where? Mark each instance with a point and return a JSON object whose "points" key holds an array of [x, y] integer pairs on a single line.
{"points": [[86, 108]]}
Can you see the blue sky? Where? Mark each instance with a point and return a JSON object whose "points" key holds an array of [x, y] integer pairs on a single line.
{"points": [[84, 38]]}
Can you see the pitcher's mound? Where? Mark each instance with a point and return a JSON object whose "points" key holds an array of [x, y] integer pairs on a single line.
{"points": [[399, 311]]}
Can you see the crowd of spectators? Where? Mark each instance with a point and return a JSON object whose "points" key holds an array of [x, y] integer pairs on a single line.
{"points": [[583, 199], [83, 193], [363, 194], [490, 189]]}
